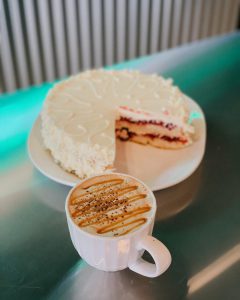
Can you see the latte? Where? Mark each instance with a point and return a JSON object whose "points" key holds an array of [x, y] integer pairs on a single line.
{"points": [[110, 205]]}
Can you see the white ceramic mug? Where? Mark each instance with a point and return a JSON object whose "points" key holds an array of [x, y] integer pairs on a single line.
{"points": [[118, 253]]}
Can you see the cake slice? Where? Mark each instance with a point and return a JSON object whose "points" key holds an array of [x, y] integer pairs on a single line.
{"points": [[157, 129]]}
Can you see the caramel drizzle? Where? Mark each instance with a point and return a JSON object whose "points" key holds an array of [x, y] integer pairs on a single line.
{"points": [[106, 199], [114, 226], [107, 205], [116, 180], [102, 216], [92, 197], [75, 200], [140, 222]]}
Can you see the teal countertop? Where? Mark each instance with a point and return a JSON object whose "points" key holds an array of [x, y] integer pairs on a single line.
{"points": [[198, 219]]}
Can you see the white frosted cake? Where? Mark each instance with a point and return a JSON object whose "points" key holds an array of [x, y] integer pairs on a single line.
{"points": [[82, 117]]}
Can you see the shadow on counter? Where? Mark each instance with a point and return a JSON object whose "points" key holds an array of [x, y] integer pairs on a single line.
{"points": [[173, 200], [85, 282]]}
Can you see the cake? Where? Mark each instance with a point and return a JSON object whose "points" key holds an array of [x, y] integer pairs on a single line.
{"points": [[83, 115]]}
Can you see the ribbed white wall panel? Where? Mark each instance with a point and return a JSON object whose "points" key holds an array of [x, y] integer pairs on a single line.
{"points": [[133, 17], [34, 45], [20, 50], [216, 19], [186, 21], [177, 22], [72, 35], [121, 18], [144, 26], [59, 37], [196, 20], [166, 24], [97, 29], [109, 30], [155, 25], [45, 40], [206, 18], [85, 35], [234, 14], [6, 56]]}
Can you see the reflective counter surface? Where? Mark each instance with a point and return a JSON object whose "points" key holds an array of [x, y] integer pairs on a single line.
{"points": [[198, 219]]}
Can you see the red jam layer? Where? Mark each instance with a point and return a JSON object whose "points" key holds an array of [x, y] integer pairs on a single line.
{"points": [[169, 126], [128, 134]]}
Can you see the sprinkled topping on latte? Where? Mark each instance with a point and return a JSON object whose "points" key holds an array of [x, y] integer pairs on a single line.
{"points": [[110, 205]]}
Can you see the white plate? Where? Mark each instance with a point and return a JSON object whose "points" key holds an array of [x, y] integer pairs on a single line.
{"points": [[158, 168]]}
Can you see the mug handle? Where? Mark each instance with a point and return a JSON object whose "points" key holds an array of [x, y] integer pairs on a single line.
{"points": [[159, 253]]}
